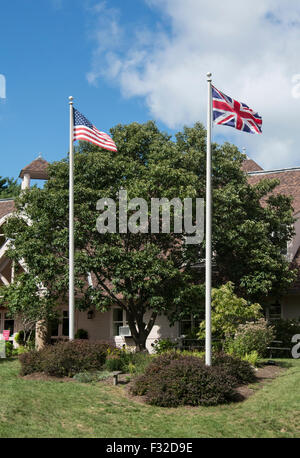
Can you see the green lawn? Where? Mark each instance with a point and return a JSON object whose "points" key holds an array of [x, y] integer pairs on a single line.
{"points": [[31, 408]]}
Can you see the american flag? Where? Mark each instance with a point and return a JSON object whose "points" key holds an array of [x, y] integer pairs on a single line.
{"points": [[84, 130], [230, 112]]}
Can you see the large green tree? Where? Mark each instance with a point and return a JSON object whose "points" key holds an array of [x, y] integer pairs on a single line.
{"points": [[149, 274], [9, 187]]}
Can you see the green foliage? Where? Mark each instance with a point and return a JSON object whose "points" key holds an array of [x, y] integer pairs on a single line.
{"points": [[9, 188], [127, 361], [284, 330], [199, 354], [252, 358], [25, 339], [228, 312], [148, 272], [22, 298], [136, 363], [21, 349], [162, 345], [174, 379], [114, 362], [249, 337], [81, 334], [65, 359], [90, 377], [9, 349]]}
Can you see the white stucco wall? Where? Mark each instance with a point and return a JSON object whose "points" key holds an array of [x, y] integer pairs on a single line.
{"points": [[101, 328]]}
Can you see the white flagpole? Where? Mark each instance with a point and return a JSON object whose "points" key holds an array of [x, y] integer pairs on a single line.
{"points": [[208, 229], [71, 225]]}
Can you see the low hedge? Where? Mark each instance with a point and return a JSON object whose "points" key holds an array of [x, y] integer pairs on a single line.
{"points": [[65, 359], [173, 379], [241, 371]]}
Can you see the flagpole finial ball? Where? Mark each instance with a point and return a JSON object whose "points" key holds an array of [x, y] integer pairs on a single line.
{"points": [[208, 75], [71, 99]]}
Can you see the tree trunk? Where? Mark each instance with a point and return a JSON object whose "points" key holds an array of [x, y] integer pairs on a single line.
{"points": [[41, 334], [140, 342], [140, 331]]}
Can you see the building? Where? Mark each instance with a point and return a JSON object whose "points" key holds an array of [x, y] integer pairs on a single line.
{"points": [[112, 325], [104, 326], [288, 305]]}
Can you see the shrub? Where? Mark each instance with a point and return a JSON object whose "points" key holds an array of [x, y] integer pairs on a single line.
{"points": [[239, 370], [252, 358], [162, 345], [9, 348], [27, 339], [184, 380], [65, 358], [127, 361], [114, 362], [89, 377], [30, 362], [142, 383], [228, 311], [199, 354], [81, 334], [284, 330], [21, 349], [249, 337]]}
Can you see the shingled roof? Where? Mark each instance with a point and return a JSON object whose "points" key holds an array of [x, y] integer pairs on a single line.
{"points": [[37, 169], [6, 206], [250, 166], [289, 182]]}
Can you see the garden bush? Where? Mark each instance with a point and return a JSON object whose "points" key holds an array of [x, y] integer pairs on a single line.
{"points": [[284, 330], [65, 358], [241, 371], [31, 362], [174, 379], [114, 362], [162, 345], [252, 358], [184, 380], [249, 337], [9, 349], [25, 339], [81, 334], [121, 359]]}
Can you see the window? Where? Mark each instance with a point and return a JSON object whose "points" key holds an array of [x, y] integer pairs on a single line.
{"points": [[119, 319], [54, 325], [189, 326], [275, 311], [7, 323], [65, 323], [60, 327]]}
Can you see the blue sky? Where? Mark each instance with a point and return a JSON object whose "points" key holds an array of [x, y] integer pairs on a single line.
{"points": [[135, 60]]}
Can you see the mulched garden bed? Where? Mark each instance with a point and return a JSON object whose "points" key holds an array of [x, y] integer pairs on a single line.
{"points": [[263, 374]]}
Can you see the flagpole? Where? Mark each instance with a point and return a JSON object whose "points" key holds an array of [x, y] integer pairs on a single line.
{"points": [[71, 225], [208, 228]]}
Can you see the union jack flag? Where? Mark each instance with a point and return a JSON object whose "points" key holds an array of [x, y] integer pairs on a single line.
{"points": [[230, 112]]}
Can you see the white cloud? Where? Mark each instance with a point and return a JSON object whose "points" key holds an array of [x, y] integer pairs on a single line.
{"points": [[252, 49]]}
